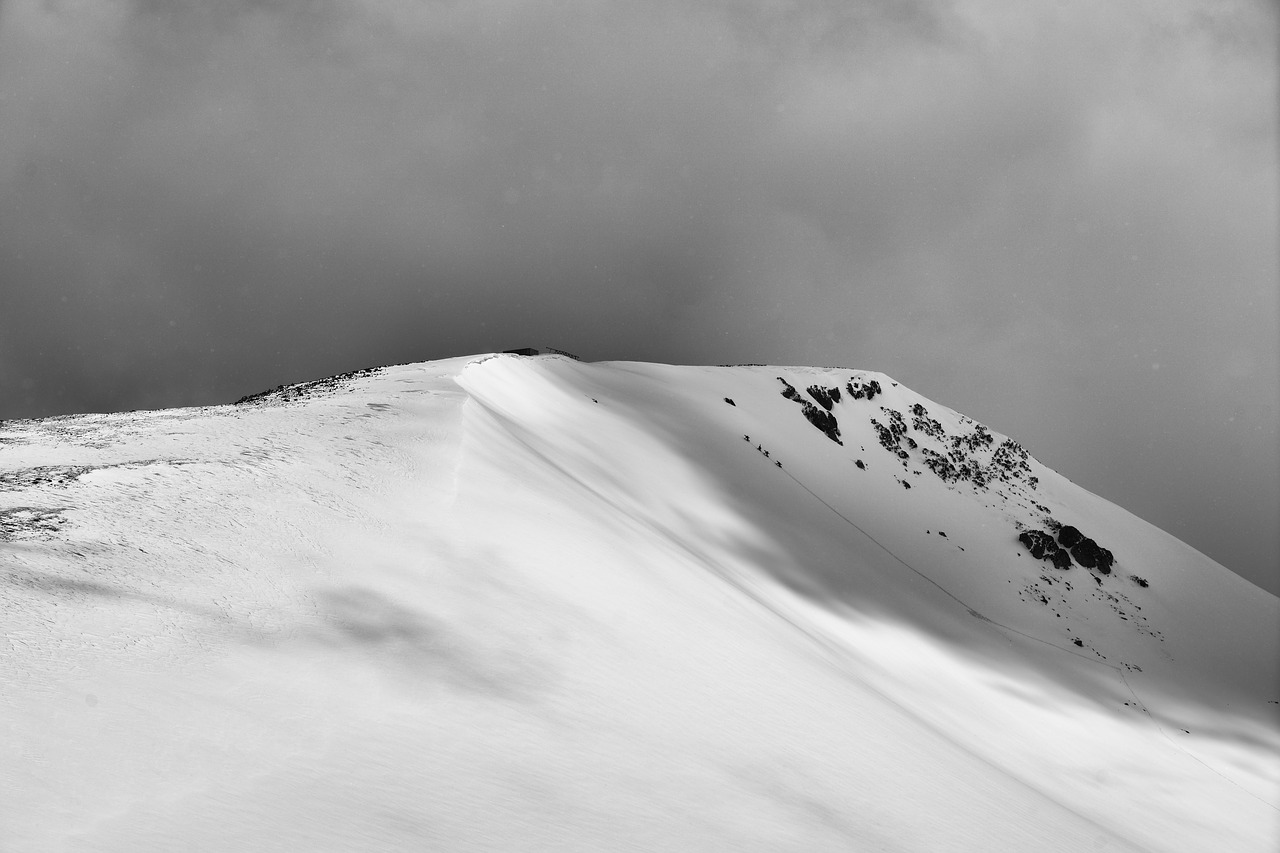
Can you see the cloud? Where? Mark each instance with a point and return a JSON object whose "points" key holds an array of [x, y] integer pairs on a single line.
{"points": [[199, 199]]}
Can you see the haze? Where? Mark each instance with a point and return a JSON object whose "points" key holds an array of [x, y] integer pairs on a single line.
{"points": [[1058, 219]]}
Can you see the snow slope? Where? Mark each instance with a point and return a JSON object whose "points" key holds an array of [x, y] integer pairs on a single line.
{"points": [[506, 603]]}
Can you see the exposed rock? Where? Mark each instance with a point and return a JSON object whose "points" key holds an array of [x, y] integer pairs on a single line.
{"points": [[921, 421], [825, 397], [1092, 556], [1068, 536], [858, 390], [302, 390], [1039, 543], [824, 421], [888, 440]]}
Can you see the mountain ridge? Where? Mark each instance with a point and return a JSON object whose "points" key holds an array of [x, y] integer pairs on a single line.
{"points": [[621, 572]]}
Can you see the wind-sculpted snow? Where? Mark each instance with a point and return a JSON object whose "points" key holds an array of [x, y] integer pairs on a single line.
{"points": [[526, 603]]}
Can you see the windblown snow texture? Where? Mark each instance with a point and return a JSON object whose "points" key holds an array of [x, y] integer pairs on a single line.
{"points": [[515, 603]]}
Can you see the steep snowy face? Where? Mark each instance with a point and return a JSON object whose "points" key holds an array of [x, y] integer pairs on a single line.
{"points": [[502, 603], [838, 470]]}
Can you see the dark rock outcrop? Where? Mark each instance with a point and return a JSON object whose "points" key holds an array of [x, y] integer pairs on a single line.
{"points": [[860, 391], [823, 420], [825, 397], [1068, 536], [820, 418], [1091, 555], [1039, 543]]}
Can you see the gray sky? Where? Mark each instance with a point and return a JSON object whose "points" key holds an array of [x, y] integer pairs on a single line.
{"points": [[1058, 218]]}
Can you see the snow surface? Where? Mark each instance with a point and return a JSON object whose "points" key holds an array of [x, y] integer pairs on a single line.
{"points": [[507, 603]]}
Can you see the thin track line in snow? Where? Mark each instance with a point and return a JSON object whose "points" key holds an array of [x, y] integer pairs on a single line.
{"points": [[833, 648], [972, 612], [1178, 747], [826, 642]]}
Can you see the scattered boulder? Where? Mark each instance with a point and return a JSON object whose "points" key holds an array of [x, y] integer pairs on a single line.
{"points": [[1089, 554], [1039, 543], [1072, 543], [1068, 536]]}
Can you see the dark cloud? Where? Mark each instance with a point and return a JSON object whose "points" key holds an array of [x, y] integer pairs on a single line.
{"points": [[1061, 220]]}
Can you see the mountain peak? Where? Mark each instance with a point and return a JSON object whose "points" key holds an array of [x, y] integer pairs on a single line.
{"points": [[463, 603]]}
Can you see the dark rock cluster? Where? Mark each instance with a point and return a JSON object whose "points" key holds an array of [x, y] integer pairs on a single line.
{"points": [[1039, 543], [1091, 555], [824, 421], [859, 390], [822, 418], [972, 455], [921, 422], [1012, 458], [826, 397], [1069, 543], [954, 458], [891, 436]]}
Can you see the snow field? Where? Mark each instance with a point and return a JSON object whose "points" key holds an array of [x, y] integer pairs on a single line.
{"points": [[497, 603]]}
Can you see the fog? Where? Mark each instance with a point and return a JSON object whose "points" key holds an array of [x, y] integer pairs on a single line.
{"points": [[1059, 219]]}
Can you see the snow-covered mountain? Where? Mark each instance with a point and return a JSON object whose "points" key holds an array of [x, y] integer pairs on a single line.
{"points": [[513, 603]]}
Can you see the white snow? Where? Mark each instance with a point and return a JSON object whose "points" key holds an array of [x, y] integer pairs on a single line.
{"points": [[508, 603]]}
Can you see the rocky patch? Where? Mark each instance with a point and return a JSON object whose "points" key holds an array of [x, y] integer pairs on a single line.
{"points": [[826, 397], [954, 459], [29, 522], [859, 390], [822, 418], [1062, 543], [302, 390], [44, 475]]}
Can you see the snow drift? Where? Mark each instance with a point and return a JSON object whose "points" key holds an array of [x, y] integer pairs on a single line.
{"points": [[509, 603]]}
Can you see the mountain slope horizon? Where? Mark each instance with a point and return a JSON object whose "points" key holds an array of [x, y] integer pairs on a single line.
{"points": [[501, 602]]}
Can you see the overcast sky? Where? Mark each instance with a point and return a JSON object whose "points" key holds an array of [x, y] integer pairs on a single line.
{"points": [[1058, 218]]}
